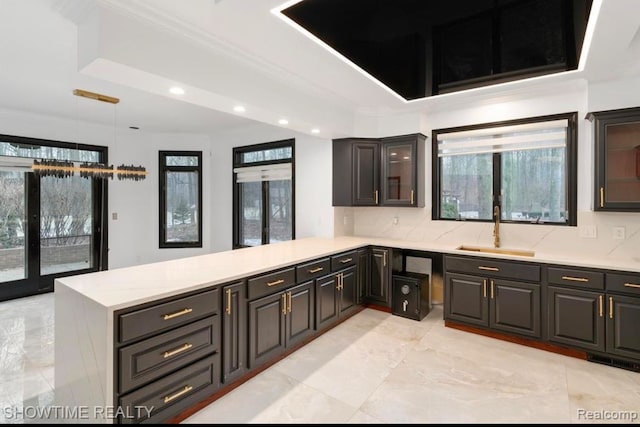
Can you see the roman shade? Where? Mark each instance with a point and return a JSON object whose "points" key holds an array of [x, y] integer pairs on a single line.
{"points": [[272, 172]]}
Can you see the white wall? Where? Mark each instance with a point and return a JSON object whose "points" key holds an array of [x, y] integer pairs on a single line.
{"points": [[416, 224]]}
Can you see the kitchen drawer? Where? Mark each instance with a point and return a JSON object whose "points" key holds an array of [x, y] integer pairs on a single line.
{"points": [[154, 357], [529, 272], [344, 260], [625, 283], [172, 394], [583, 279], [312, 270], [270, 283], [161, 317]]}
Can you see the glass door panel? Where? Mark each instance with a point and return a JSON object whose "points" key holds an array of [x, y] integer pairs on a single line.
{"points": [[280, 218], [398, 173], [66, 218], [13, 260], [251, 213]]}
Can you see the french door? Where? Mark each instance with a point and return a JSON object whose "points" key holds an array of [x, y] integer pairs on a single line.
{"points": [[49, 227]]}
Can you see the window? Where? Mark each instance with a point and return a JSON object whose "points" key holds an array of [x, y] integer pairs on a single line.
{"points": [[263, 194], [180, 199], [530, 164]]}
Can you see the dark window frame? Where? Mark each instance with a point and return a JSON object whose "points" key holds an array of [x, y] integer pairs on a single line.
{"points": [[162, 170], [571, 168], [237, 197]]}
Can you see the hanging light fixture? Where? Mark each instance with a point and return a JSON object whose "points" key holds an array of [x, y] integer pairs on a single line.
{"points": [[63, 169]]}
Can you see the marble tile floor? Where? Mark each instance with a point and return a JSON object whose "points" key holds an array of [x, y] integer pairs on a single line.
{"points": [[373, 368]]}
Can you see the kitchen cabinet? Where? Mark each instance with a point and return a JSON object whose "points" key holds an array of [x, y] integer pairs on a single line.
{"points": [[623, 314], [336, 293], [364, 272], [234, 331], [505, 296], [379, 172], [403, 170], [576, 307], [617, 159], [379, 285], [279, 321]]}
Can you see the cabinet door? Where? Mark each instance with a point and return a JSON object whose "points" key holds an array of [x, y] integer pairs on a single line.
{"points": [[234, 332], [366, 173], [380, 278], [326, 301], [576, 318], [623, 326], [399, 181], [300, 317], [515, 307], [348, 290], [466, 299], [266, 328], [364, 271], [618, 160]]}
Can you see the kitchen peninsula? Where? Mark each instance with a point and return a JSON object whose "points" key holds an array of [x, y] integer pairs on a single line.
{"points": [[153, 335]]}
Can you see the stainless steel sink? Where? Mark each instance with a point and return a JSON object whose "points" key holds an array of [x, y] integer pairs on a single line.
{"points": [[504, 251]]}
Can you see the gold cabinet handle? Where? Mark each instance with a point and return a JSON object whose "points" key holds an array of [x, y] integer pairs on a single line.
{"points": [[484, 288], [491, 289], [602, 197], [600, 305], [276, 282], [346, 260], [290, 298], [284, 304], [178, 350], [177, 314], [375, 195], [575, 279], [482, 267], [631, 285], [186, 389], [315, 270], [228, 309], [411, 196], [338, 277], [384, 256], [610, 307], [341, 281]]}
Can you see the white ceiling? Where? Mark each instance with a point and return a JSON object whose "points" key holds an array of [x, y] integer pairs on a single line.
{"points": [[228, 52]]}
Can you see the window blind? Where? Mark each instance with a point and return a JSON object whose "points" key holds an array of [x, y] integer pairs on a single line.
{"points": [[274, 172], [530, 136]]}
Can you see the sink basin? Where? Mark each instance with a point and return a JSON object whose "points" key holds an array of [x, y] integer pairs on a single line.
{"points": [[504, 251]]}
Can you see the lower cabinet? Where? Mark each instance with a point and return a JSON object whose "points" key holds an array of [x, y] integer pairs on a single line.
{"points": [[623, 326], [364, 272], [500, 304], [234, 331], [278, 321], [576, 318], [336, 296], [379, 285]]}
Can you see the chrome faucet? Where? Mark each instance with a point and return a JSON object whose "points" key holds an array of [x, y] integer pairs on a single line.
{"points": [[496, 227]]}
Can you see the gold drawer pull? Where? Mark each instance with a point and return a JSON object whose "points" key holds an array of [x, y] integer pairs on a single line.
{"points": [[186, 389], [484, 288], [411, 196], [290, 298], [177, 350], [610, 307], [575, 279], [482, 267], [177, 314], [277, 282], [602, 197], [632, 285], [228, 309], [346, 260], [600, 297], [315, 270]]}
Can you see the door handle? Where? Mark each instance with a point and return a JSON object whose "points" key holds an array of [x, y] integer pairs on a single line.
{"points": [[290, 298], [284, 304], [484, 287], [491, 288], [228, 309]]}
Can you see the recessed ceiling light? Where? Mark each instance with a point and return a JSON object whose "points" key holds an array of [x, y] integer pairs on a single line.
{"points": [[283, 121], [239, 109], [394, 154], [315, 130], [177, 90]]}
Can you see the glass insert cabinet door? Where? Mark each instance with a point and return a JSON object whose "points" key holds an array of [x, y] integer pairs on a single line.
{"points": [[399, 178]]}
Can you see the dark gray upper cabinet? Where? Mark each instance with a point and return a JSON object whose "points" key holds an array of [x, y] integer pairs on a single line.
{"points": [[617, 159], [379, 172]]}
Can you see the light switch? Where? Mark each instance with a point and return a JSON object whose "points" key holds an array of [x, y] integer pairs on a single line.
{"points": [[588, 231]]}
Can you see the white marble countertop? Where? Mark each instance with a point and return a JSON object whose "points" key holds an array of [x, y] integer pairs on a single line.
{"points": [[125, 287]]}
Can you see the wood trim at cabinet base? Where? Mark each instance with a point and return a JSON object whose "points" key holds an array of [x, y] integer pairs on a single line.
{"points": [[229, 387], [378, 307], [518, 340]]}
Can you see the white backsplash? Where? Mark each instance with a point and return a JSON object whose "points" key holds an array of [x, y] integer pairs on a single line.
{"points": [[416, 225]]}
